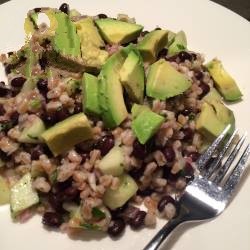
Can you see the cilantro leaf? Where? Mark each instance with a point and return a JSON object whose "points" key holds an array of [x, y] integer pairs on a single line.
{"points": [[90, 226], [97, 213]]}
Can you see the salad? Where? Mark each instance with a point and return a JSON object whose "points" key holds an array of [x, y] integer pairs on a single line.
{"points": [[102, 121]]}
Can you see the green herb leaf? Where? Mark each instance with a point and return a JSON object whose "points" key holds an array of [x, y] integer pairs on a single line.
{"points": [[32, 137], [5, 125], [89, 226], [35, 104], [97, 213], [191, 116], [181, 47], [53, 177]]}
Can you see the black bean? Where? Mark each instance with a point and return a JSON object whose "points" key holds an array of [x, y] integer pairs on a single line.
{"points": [[188, 134], [164, 201], [45, 43], [69, 194], [157, 28], [10, 53], [139, 150], [183, 55], [4, 91], [144, 33], [168, 175], [14, 118], [198, 75], [43, 62], [137, 173], [56, 202], [186, 111], [8, 68], [194, 56], [84, 157], [64, 8], [37, 10], [51, 219], [130, 213], [145, 192], [18, 82], [61, 186], [2, 110], [163, 53], [169, 153], [205, 89], [103, 16], [42, 85], [116, 227], [105, 144], [138, 221], [49, 118], [194, 156], [85, 147], [77, 108], [4, 156], [188, 172], [62, 114], [36, 152]]}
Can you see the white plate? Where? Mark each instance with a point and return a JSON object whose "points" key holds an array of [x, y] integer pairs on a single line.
{"points": [[210, 29]]}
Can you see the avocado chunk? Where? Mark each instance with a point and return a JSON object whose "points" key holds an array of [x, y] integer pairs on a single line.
{"points": [[152, 44], [178, 44], [146, 124], [112, 163], [212, 95], [113, 108], [225, 84], [137, 109], [117, 198], [132, 77], [90, 94], [66, 52], [213, 119], [22, 195], [171, 36], [4, 191], [91, 42], [32, 132], [67, 133], [118, 32], [164, 81]]}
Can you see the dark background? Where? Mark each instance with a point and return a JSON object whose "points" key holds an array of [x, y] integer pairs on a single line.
{"points": [[242, 7]]}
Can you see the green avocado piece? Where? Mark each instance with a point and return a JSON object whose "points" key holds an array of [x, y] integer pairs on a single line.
{"points": [[178, 44], [117, 198], [225, 84], [90, 92], [113, 108], [212, 95], [4, 191], [118, 32], [112, 163], [66, 52], [146, 124], [132, 76], [171, 36], [91, 41], [164, 81], [213, 119], [65, 134], [32, 133], [137, 109], [152, 44], [22, 195]]}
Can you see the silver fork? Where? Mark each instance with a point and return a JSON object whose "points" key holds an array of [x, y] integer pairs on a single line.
{"points": [[210, 192]]}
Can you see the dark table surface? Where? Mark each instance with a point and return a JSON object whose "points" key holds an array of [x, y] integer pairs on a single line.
{"points": [[242, 7]]}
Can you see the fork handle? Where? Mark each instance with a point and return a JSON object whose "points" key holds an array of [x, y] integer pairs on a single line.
{"points": [[165, 232]]}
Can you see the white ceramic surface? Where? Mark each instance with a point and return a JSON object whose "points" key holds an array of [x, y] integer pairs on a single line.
{"points": [[212, 30]]}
